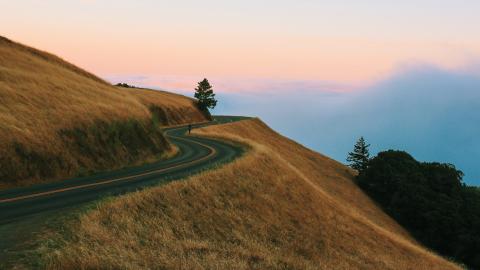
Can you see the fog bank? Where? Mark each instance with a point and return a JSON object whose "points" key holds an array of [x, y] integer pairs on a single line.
{"points": [[431, 113]]}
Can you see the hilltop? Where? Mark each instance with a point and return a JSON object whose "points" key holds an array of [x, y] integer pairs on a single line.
{"points": [[58, 121], [280, 206]]}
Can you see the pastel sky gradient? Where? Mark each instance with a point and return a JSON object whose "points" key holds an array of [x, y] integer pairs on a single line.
{"points": [[347, 42], [404, 74]]}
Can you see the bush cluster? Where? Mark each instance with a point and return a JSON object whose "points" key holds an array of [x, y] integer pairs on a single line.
{"points": [[429, 200], [125, 85]]}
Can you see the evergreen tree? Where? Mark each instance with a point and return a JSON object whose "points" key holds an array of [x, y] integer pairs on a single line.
{"points": [[204, 94], [360, 156]]}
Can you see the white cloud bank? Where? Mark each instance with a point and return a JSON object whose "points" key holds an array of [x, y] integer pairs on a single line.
{"points": [[431, 113]]}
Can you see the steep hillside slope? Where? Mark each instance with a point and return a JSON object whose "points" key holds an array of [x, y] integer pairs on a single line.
{"points": [[57, 120], [281, 206], [170, 108]]}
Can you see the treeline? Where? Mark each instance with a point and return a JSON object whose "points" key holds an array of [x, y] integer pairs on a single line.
{"points": [[429, 199], [125, 85]]}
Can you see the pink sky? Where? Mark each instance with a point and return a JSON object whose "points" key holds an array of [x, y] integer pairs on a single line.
{"points": [[173, 45]]}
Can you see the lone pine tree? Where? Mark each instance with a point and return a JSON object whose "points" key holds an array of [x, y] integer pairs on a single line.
{"points": [[204, 94], [358, 159]]}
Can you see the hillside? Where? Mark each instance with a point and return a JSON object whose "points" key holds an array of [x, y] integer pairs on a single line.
{"points": [[58, 121], [280, 206]]}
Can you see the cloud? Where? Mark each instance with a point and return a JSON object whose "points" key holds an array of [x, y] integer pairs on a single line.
{"points": [[186, 83], [431, 113]]}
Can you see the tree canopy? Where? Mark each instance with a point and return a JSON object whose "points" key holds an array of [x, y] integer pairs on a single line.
{"points": [[429, 200], [358, 159], [205, 96]]}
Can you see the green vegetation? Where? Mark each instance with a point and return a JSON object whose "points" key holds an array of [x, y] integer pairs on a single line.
{"points": [[125, 85], [360, 156], [428, 199], [98, 146], [206, 97]]}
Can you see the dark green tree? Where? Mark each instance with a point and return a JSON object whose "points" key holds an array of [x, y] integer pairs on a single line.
{"points": [[205, 96], [430, 200], [358, 159]]}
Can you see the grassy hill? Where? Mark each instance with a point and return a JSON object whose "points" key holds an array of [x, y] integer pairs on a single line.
{"points": [[281, 206], [58, 121]]}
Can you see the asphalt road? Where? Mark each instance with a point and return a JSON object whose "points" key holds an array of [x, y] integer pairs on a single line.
{"points": [[195, 154]]}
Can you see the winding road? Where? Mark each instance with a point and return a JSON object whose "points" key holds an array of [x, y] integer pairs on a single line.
{"points": [[195, 154]]}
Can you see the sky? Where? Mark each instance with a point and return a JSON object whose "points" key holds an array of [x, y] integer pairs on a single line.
{"points": [[353, 42], [334, 57], [429, 112]]}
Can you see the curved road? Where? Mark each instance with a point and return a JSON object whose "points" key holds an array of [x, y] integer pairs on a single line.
{"points": [[195, 154]]}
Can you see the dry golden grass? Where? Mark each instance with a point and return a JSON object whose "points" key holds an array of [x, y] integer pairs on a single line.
{"points": [[281, 206], [177, 109], [41, 94]]}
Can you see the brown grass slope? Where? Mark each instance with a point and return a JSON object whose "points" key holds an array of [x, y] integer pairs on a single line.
{"points": [[48, 105], [281, 206]]}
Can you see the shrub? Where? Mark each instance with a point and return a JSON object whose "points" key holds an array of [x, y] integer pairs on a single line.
{"points": [[428, 199], [125, 85]]}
